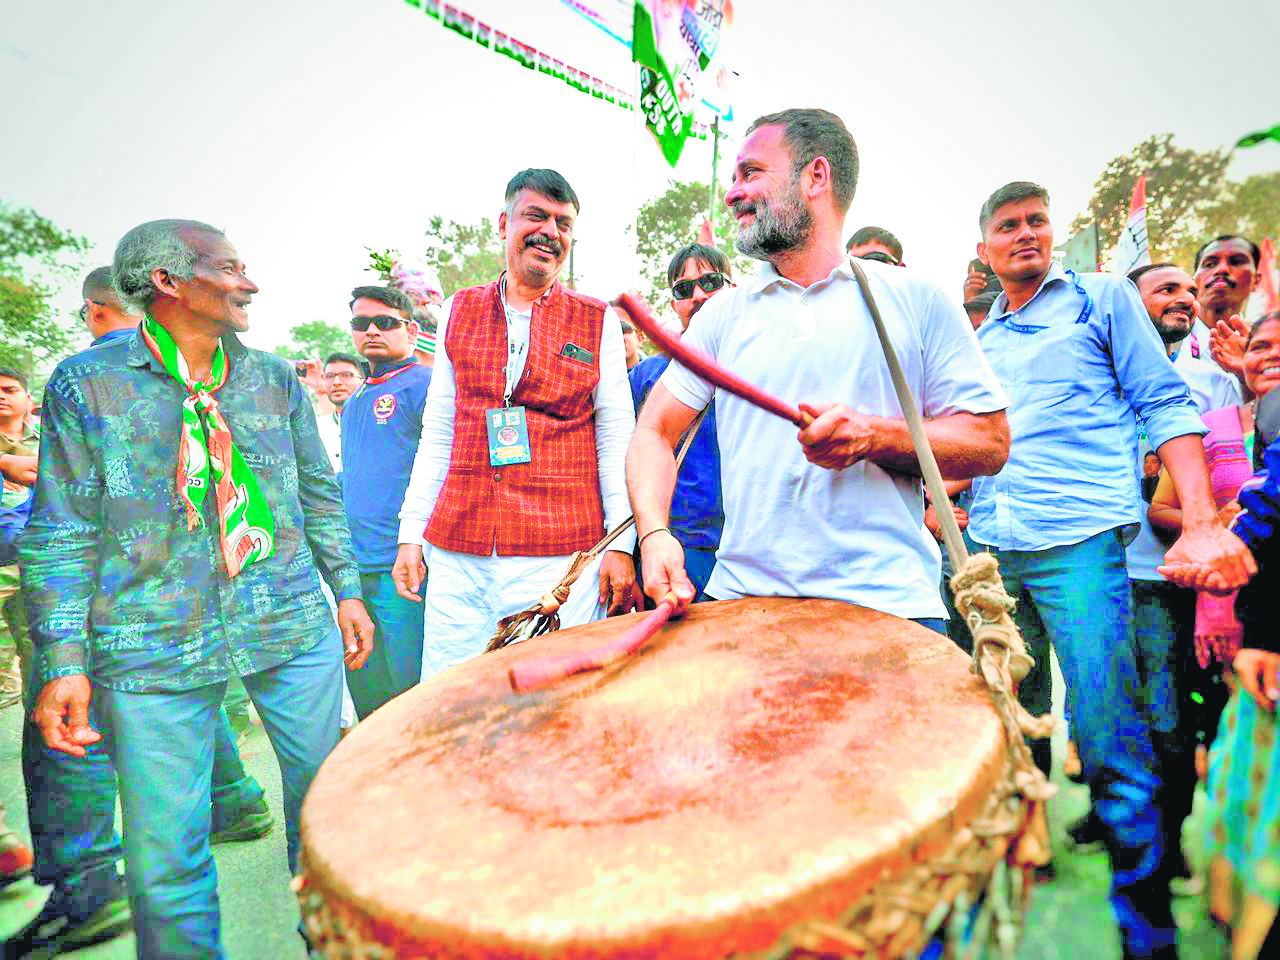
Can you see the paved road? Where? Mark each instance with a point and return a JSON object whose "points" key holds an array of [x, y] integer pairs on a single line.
{"points": [[1069, 918], [259, 913]]}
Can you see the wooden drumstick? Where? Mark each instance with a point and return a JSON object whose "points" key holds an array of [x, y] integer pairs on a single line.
{"points": [[703, 365], [544, 671]]}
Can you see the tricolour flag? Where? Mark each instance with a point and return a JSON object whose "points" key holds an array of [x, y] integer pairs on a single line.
{"points": [[674, 44], [617, 18], [1132, 249], [706, 233]]}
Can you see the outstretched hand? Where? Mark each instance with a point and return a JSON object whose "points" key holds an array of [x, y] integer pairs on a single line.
{"points": [[1211, 559]]}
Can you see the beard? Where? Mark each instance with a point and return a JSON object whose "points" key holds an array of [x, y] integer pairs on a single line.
{"points": [[1173, 330], [782, 223]]}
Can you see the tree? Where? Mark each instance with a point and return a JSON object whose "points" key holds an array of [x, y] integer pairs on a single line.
{"points": [[1189, 199], [315, 340], [669, 222], [34, 254], [1183, 187], [1250, 209], [464, 254]]}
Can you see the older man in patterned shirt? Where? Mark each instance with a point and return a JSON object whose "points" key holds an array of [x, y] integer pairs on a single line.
{"points": [[183, 506]]}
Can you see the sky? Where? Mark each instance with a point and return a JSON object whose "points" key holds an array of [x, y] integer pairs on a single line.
{"points": [[309, 131]]}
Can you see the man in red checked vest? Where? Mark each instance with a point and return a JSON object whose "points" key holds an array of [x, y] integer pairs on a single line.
{"points": [[524, 437]]}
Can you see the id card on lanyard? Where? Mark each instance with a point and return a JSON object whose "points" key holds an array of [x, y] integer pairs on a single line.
{"points": [[506, 426]]}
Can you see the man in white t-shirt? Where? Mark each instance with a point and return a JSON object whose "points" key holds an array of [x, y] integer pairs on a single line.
{"points": [[837, 514]]}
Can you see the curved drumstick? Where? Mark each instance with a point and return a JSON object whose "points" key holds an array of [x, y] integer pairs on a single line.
{"points": [[544, 671], [703, 365]]}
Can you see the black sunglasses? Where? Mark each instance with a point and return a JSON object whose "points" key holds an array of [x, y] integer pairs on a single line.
{"points": [[84, 309], [709, 282], [382, 323], [879, 257]]}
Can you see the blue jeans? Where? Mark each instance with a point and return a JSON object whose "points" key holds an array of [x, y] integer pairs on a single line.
{"points": [[1077, 598], [396, 662], [1164, 620], [164, 750], [71, 801]]}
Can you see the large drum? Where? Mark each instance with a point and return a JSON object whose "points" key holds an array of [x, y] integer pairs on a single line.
{"points": [[758, 764]]}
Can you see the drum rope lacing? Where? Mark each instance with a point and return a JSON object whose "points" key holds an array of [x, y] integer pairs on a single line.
{"points": [[989, 860], [994, 855], [544, 615]]}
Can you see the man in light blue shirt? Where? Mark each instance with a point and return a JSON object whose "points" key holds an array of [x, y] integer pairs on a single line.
{"points": [[1079, 358]]}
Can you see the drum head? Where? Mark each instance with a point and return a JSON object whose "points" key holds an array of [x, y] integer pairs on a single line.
{"points": [[758, 763]]}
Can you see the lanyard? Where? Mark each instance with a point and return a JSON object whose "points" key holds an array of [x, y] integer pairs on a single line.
{"points": [[1085, 312], [515, 350]]}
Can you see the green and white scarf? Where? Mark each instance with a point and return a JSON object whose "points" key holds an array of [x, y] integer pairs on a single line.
{"points": [[246, 528]]}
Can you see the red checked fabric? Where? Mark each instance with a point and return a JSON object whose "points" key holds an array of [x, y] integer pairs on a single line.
{"points": [[547, 507]]}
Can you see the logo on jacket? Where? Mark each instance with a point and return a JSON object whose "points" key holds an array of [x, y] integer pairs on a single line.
{"points": [[384, 407]]}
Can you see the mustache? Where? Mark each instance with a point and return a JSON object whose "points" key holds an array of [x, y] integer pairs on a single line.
{"points": [[742, 206], [546, 243]]}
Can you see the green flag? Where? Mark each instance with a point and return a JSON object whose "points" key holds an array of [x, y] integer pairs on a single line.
{"points": [[662, 114], [1253, 139]]}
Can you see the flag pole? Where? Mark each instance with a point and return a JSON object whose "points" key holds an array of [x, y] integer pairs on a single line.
{"points": [[715, 162]]}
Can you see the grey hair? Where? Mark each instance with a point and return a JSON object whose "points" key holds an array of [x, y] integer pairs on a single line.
{"points": [[155, 245]]}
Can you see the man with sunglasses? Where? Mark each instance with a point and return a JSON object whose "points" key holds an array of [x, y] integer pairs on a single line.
{"points": [[103, 314], [523, 441], [381, 423], [697, 273], [631, 340]]}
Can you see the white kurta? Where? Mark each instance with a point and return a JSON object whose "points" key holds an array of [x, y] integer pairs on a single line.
{"points": [[466, 595]]}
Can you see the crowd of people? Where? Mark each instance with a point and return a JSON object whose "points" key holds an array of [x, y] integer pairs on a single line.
{"points": [[203, 523]]}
